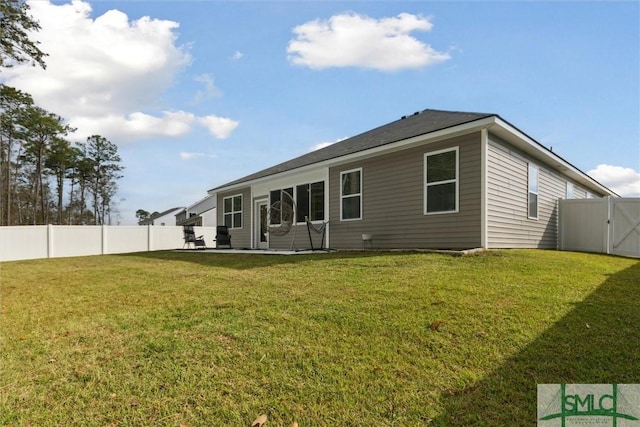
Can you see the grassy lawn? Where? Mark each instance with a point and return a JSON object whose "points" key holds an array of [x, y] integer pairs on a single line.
{"points": [[341, 339]]}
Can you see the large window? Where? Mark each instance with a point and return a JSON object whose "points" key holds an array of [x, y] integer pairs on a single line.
{"points": [[232, 213], [533, 192], [569, 190], [441, 181], [281, 206], [351, 195], [310, 202]]}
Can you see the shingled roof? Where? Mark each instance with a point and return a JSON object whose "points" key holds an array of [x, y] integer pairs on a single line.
{"points": [[416, 124]]}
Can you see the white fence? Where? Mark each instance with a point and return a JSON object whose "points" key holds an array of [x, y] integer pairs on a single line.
{"points": [[52, 241], [608, 225]]}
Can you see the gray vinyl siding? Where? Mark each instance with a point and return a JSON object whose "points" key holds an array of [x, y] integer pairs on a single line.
{"points": [[507, 200], [579, 193], [240, 237], [297, 238], [393, 201]]}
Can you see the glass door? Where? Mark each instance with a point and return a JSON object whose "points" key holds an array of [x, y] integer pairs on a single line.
{"points": [[261, 236]]}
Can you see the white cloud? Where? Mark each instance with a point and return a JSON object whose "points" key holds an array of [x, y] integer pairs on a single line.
{"points": [[237, 55], [210, 89], [324, 144], [107, 75], [185, 155], [219, 127], [352, 40], [134, 125], [624, 181], [170, 124], [96, 66]]}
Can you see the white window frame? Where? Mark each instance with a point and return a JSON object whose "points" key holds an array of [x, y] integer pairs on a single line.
{"points": [[449, 181], [324, 196], [342, 218], [232, 212], [531, 167]]}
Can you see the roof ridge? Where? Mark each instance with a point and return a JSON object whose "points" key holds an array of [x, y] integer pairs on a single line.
{"points": [[459, 112], [384, 134]]}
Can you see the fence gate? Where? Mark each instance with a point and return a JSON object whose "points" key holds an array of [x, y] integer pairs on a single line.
{"points": [[625, 227], [607, 225]]}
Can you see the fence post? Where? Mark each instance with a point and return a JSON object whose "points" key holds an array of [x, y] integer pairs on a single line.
{"points": [[560, 241], [50, 242], [149, 238], [608, 234], [610, 225], [103, 248]]}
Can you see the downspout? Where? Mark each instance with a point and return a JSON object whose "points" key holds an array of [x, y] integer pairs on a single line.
{"points": [[484, 173]]}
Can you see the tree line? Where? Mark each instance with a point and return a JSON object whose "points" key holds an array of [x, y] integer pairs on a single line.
{"points": [[44, 177]]}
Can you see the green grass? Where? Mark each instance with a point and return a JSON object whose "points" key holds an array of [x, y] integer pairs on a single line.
{"points": [[341, 339]]}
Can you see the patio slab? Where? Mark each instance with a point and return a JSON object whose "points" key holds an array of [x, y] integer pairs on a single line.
{"points": [[257, 251]]}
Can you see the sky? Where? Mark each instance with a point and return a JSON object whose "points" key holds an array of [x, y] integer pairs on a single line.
{"points": [[199, 93]]}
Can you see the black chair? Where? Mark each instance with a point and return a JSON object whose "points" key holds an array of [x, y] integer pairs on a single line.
{"points": [[191, 239], [223, 238]]}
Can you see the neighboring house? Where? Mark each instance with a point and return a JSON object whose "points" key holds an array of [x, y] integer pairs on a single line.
{"points": [[434, 179], [167, 217], [201, 213]]}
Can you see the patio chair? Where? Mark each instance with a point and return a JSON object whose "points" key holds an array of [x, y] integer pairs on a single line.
{"points": [[190, 238], [223, 238]]}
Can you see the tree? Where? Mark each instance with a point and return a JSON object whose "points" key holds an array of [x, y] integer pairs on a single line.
{"points": [[15, 25], [141, 214], [13, 104], [60, 160], [105, 172], [34, 154], [40, 130], [81, 174]]}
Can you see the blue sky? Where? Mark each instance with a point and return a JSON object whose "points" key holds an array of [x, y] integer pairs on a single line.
{"points": [[198, 93]]}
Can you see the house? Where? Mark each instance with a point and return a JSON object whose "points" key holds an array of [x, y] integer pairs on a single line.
{"points": [[167, 217], [433, 179], [201, 213]]}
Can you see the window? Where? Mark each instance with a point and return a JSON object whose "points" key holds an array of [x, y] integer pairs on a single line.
{"points": [[310, 202], [533, 192], [569, 190], [441, 181], [351, 195], [281, 206], [232, 213]]}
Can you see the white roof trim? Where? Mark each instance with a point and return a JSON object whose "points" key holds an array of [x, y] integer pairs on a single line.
{"points": [[387, 148]]}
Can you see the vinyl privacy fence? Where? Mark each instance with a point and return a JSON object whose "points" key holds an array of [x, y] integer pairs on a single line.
{"points": [[608, 225], [52, 241]]}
